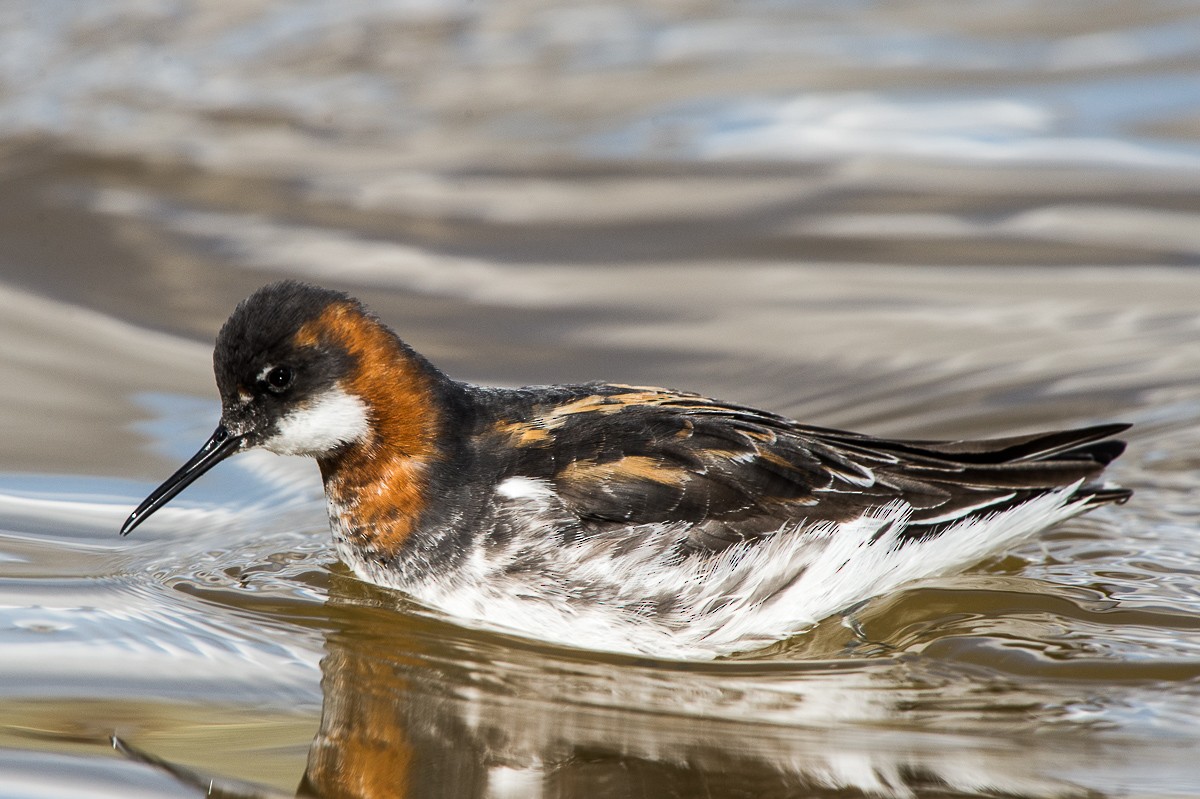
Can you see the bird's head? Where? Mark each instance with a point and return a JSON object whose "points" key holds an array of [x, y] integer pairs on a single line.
{"points": [[296, 366]]}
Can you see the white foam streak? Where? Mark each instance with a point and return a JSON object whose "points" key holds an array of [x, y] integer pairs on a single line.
{"points": [[838, 125]]}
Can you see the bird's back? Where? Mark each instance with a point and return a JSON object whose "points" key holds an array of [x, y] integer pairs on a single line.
{"points": [[622, 455]]}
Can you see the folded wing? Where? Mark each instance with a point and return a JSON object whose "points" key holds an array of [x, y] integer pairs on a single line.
{"points": [[629, 455]]}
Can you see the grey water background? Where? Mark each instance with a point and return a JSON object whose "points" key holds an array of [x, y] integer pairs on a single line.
{"points": [[920, 219]]}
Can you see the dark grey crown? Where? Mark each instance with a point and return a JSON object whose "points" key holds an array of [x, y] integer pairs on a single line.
{"points": [[261, 332]]}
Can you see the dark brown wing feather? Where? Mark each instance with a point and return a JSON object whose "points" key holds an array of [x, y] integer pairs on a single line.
{"points": [[621, 454]]}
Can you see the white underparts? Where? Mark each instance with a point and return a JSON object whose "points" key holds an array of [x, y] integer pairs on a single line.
{"points": [[630, 590], [324, 423]]}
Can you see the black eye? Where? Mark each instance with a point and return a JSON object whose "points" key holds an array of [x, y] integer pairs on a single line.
{"points": [[279, 378]]}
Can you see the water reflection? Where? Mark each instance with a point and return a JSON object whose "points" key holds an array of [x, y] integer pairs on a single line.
{"points": [[416, 707]]}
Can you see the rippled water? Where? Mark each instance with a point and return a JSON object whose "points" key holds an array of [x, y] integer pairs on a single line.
{"points": [[919, 219]]}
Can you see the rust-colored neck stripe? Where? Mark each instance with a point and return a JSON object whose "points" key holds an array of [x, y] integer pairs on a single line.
{"points": [[378, 486]]}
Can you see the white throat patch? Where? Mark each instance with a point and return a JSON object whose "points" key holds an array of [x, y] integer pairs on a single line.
{"points": [[322, 424]]}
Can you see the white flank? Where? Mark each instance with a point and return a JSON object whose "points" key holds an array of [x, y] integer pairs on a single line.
{"points": [[644, 598], [325, 423]]}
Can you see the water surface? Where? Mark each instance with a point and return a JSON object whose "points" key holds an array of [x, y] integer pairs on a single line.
{"points": [[923, 220]]}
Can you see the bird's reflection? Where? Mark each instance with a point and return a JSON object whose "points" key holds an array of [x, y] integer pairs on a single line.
{"points": [[418, 708]]}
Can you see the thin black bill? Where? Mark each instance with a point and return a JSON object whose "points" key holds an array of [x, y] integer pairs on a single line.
{"points": [[218, 447]]}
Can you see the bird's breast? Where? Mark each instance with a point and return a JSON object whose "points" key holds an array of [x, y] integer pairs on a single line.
{"points": [[376, 506]]}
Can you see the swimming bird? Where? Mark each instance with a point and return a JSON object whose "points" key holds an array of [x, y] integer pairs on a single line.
{"points": [[613, 517]]}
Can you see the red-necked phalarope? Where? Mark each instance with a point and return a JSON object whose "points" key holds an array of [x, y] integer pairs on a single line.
{"points": [[613, 517]]}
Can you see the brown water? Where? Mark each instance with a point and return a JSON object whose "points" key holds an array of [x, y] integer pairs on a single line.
{"points": [[920, 219]]}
